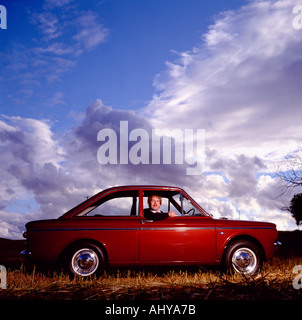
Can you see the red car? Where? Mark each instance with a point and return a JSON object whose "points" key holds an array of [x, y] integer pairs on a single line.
{"points": [[110, 229]]}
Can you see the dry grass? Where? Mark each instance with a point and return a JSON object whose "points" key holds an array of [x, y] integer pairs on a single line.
{"points": [[274, 282]]}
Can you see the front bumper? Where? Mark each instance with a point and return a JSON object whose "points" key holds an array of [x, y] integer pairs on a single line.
{"points": [[277, 244]]}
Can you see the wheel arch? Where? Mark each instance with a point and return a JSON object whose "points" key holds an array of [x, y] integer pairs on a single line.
{"points": [[244, 237], [77, 242]]}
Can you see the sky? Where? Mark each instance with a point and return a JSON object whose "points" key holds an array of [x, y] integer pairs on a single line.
{"points": [[231, 69]]}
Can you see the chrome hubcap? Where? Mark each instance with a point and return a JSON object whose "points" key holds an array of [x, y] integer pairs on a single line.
{"points": [[244, 260], [85, 262]]}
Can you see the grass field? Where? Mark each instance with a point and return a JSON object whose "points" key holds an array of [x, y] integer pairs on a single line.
{"points": [[25, 281]]}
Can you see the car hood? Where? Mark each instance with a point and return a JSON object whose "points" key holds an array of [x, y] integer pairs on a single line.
{"points": [[220, 223]]}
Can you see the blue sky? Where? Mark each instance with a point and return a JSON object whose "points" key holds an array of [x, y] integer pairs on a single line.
{"points": [[138, 37], [71, 68]]}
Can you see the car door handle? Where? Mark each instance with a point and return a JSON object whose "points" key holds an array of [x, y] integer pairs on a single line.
{"points": [[146, 221]]}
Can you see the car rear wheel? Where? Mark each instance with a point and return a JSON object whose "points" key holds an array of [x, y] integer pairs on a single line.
{"points": [[244, 257], [84, 260]]}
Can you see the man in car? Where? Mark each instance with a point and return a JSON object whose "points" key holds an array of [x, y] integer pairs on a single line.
{"points": [[153, 212]]}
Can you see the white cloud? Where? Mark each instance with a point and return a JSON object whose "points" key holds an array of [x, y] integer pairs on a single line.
{"points": [[30, 140], [59, 172], [241, 85], [48, 23], [57, 3], [91, 32], [11, 225], [30, 170], [57, 98]]}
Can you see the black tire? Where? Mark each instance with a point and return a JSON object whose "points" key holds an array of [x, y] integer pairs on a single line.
{"points": [[244, 257], [84, 259]]}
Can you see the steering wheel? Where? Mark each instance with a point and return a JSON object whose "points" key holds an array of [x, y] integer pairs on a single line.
{"points": [[192, 209]]}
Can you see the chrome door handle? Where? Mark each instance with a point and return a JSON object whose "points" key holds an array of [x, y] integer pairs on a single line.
{"points": [[146, 221]]}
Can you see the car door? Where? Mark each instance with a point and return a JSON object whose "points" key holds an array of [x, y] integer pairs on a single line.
{"points": [[183, 239], [113, 221]]}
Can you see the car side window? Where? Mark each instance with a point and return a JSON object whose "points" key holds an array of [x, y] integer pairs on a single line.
{"points": [[166, 205], [118, 207], [176, 202], [118, 204]]}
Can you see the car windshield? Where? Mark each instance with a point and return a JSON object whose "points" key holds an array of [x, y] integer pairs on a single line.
{"points": [[187, 208]]}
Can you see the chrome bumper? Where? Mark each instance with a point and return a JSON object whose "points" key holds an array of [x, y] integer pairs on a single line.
{"points": [[277, 245]]}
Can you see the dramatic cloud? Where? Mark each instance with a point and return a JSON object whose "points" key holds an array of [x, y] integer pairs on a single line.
{"points": [[82, 146], [28, 152], [47, 175], [241, 85], [50, 175]]}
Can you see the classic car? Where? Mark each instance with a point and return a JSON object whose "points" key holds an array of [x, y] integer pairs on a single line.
{"points": [[110, 229]]}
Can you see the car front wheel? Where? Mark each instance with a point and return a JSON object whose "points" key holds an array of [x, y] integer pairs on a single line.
{"points": [[84, 260], [244, 257]]}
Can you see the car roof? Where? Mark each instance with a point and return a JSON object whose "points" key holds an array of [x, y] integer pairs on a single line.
{"points": [[104, 192], [155, 187]]}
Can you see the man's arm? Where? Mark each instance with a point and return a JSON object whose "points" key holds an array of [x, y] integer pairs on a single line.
{"points": [[149, 215]]}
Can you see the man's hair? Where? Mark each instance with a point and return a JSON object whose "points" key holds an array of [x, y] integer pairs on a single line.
{"points": [[154, 195]]}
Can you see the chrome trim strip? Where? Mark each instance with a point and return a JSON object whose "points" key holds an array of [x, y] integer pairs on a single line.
{"points": [[125, 229], [178, 228], [150, 228], [84, 229], [233, 228]]}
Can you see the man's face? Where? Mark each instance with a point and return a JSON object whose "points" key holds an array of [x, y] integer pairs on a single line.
{"points": [[155, 203]]}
